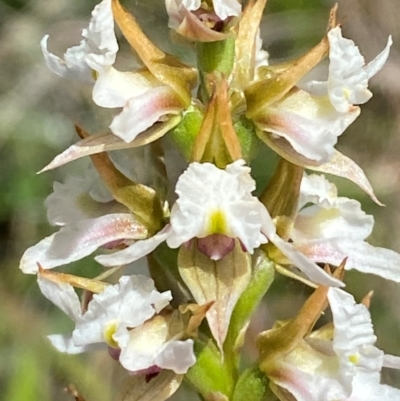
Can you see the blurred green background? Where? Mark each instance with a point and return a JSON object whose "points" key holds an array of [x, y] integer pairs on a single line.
{"points": [[37, 112]]}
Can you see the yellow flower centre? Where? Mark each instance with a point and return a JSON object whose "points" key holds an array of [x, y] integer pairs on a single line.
{"points": [[108, 332], [354, 359], [346, 93], [217, 223]]}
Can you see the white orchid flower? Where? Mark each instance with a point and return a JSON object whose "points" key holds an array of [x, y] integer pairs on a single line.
{"points": [[313, 117], [329, 228], [143, 98], [114, 318], [346, 368], [216, 206]]}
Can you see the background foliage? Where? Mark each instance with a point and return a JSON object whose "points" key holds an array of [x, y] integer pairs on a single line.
{"points": [[37, 112]]}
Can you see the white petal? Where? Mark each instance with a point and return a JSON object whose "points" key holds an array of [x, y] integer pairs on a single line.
{"points": [[354, 337], [345, 219], [190, 5], [227, 8], [114, 88], [378, 62], [391, 361], [367, 389], [74, 67], [134, 251], [206, 193], [62, 295], [80, 198], [348, 77], [141, 112], [177, 356], [100, 39], [125, 305], [75, 242], [64, 343], [96, 51], [316, 189]]}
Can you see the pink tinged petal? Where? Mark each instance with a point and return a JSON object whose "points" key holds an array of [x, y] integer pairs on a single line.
{"points": [[75, 242], [369, 259], [361, 256], [177, 356], [216, 246], [309, 123], [342, 166], [74, 67], [114, 88], [62, 295], [304, 386], [135, 251], [141, 112], [305, 264], [106, 142]]}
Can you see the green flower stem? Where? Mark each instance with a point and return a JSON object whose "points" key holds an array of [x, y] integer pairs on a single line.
{"points": [[210, 373], [214, 57]]}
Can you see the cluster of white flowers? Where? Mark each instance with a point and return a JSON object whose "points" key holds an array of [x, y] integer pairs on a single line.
{"points": [[214, 211]]}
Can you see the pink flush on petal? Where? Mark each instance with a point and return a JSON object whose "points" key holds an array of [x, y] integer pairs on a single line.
{"points": [[216, 246]]}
